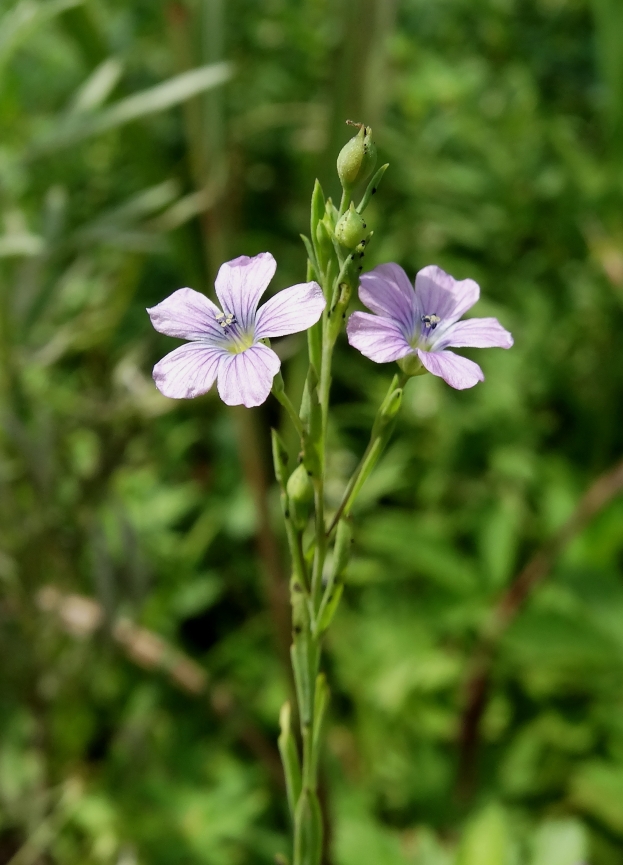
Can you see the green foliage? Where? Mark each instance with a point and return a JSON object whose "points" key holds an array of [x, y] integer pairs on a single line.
{"points": [[129, 167]]}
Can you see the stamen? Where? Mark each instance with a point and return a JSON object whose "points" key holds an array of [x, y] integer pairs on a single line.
{"points": [[225, 320], [430, 321]]}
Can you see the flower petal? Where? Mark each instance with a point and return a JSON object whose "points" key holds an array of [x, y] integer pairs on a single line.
{"points": [[188, 371], [240, 284], [438, 293], [378, 338], [247, 378], [187, 314], [475, 333], [290, 311], [457, 371], [387, 291]]}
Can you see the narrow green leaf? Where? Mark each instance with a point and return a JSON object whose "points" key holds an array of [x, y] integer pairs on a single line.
{"points": [[330, 608], [289, 757], [372, 187], [98, 86], [308, 830], [304, 672], [321, 704], [311, 255], [172, 92]]}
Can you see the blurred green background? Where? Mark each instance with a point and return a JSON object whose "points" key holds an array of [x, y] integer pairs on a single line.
{"points": [[143, 610]]}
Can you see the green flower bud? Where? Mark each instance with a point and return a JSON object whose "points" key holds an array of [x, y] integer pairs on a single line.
{"points": [[300, 496], [357, 158], [351, 229]]}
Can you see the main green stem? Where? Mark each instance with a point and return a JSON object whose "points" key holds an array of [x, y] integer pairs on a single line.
{"points": [[314, 604]]}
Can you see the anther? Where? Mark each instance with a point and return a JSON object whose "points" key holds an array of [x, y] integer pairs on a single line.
{"points": [[430, 321], [225, 320]]}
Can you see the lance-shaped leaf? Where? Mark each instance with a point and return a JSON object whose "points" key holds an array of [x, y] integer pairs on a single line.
{"points": [[308, 834], [289, 757], [172, 92]]}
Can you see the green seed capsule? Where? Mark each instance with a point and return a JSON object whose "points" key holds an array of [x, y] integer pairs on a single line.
{"points": [[351, 229], [357, 158]]}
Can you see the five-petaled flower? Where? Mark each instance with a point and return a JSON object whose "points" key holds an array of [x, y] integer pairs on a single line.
{"points": [[226, 344], [417, 327]]}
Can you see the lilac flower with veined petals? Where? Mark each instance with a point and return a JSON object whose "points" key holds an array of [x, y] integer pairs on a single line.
{"points": [[225, 344], [422, 324]]}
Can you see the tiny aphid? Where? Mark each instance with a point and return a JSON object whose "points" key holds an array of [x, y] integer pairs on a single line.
{"points": [[430, 321]]}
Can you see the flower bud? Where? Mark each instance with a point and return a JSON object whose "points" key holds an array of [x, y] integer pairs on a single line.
{"points": [[351, 229], [357, 158], [300, 496]]}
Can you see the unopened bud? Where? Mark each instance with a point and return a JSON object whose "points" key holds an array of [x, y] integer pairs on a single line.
{"points": [[351, 229], [300, 496], [357, 158]]}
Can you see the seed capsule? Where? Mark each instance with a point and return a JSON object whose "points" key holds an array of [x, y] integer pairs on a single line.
{"points": [[357, 158], [351, 229]]}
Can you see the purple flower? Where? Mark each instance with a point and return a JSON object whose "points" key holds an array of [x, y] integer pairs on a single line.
{"points": [[423, 323], [226, 344]]}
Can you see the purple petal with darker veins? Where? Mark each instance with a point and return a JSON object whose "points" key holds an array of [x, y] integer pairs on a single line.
{"points": [[387, 291], [187, 314], [290, 311], [378, 338], [241, 283], [188, 371], [438, 293], [457, 371], [475, 333], [247, 378]]}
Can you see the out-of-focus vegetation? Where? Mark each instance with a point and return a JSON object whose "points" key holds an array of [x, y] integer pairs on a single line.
{"points": [[143, 617]]}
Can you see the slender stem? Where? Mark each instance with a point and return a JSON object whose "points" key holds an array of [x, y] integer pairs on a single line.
{"points": [[321, 546], [345, 202], [347, 499], [324, 386], [285, 401], [367, 462]]}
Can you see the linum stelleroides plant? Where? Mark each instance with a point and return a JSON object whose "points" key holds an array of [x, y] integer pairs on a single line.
{"points": [[414, 326]]}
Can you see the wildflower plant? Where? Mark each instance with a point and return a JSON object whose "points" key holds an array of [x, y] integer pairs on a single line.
{"points": [[229, 344]]}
